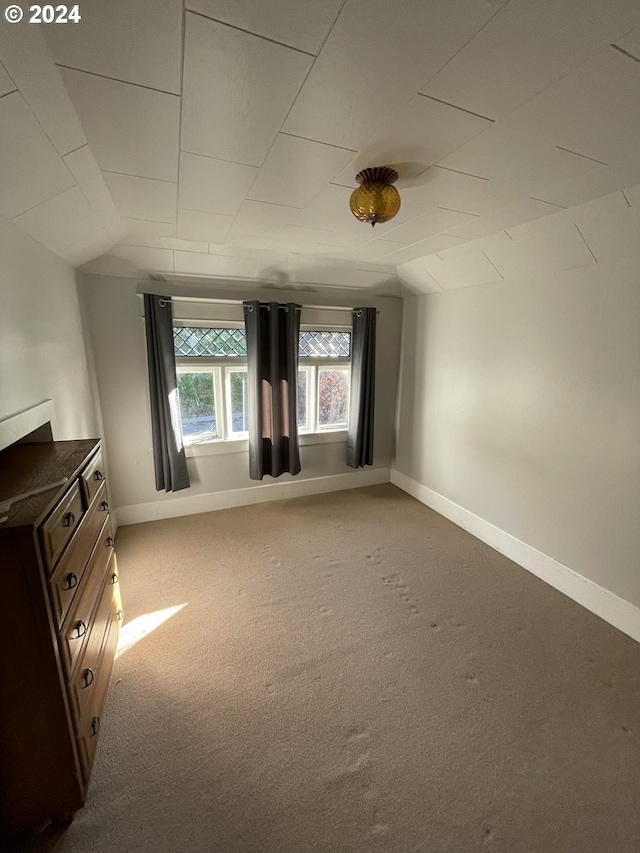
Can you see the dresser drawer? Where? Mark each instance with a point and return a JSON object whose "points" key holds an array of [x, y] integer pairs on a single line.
{"points": [[76, 628], [92, 478], [59, 527], [87, 674], [90, 720], [68, 574]]}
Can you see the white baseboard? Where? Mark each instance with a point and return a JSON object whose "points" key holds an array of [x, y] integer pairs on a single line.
{"points": [[191, 504], [605, 604]]}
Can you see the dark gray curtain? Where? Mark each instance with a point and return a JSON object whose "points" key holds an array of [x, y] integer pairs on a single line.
{"points": [[272, 364], [168, 451], [363, 382]]}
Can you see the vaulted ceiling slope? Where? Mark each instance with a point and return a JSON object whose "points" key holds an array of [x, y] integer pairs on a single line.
{"points": [[220, 138]]}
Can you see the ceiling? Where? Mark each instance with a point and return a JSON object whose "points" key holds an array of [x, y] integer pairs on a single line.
{"points": [[209, 138]]}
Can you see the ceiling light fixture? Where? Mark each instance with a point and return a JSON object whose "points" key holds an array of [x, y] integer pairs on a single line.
{"points": [[376, 199]]}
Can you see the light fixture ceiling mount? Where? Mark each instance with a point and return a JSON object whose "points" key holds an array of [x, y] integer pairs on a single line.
{"points": [[376, 199]]}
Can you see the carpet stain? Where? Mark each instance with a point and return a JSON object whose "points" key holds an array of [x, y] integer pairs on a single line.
{"points": [[356, 735], [396, 584], [488, 833], [361, 761]]}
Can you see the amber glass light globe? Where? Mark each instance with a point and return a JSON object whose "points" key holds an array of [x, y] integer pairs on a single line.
{"points": [[376, 199]]}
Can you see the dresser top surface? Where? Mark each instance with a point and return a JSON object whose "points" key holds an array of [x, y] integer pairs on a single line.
{"points": [[28, 467]]}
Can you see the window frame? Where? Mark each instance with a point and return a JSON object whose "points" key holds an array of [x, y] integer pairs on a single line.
{"points": [[221, 366], [230, 435]]}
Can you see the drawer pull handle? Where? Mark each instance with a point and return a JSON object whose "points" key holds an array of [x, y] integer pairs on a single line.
{"points": [[99, 475], [119, 615], [110, 541], [95, 726], [69, 519], [80, 628], [87, 677], [105, 506], [114, 578], [72, 580]]}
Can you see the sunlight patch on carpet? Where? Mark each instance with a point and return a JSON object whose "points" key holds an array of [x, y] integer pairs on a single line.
{"points": [[139, 627]]}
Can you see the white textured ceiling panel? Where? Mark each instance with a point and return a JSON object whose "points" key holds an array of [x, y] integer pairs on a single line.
{"points": [[297, 236], [374, 267], [525, 48], [82, 165], [376, 58], [632, 195], [585, 187], [143, 198], [564, 113], [237, 91], [6, 83], [630, 42], [27, 59], [520, 157], [62, 221], [422, 133], [109, 265], [440, 187], [415, 278], [88, 247], [245, 252], [138, 41], [536, 253], [508, 216], [296, 170], [303, 24], [144, 258], [339, 276], [196, 225], [186, 245], [610, 227], [422, 249], [376, 249], [213, 186], [131, 130], [191, 262], [433, 222], [257, 218], [32, 171], [141, 233], [467, 270]]}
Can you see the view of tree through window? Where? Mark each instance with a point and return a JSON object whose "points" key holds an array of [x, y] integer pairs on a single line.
{"points": [[239, 401], [197, 404], [302, 399], [333, 397]]}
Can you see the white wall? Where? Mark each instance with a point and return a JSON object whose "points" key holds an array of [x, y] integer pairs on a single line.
{"points": [[42, 352], [114, 314], [520, 403]]}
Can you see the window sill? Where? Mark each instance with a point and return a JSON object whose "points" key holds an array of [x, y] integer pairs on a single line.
{"points": [[212, 448]]}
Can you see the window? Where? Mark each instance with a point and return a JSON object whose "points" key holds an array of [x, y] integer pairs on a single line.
{"points": [[211, 365]]}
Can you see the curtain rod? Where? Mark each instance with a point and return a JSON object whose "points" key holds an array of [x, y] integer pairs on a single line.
{"points": [[267, 305], [219, 301]]}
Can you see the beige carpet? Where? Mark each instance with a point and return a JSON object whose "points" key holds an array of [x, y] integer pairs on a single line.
{"points": [[351, 672]]}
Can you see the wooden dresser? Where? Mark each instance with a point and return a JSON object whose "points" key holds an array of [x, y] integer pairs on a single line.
{"points": [[60, 615]]}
